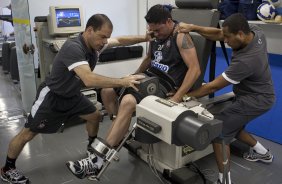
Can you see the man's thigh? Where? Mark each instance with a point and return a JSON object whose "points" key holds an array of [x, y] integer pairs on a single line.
{"points": [[234, 119]]}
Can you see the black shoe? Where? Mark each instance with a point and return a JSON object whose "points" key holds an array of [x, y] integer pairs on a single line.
{"points": [[85, 167], [13, 176]]}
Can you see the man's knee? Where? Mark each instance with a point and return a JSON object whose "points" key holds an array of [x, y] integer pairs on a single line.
{"points": [[108, 92], [94, 117], [26, 135], [128, 101]]}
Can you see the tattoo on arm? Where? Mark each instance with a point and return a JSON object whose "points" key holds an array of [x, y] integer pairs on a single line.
{"points": [[187, 42]]}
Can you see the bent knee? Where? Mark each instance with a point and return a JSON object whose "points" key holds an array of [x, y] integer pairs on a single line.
{"points": [[94, 117], [26, 135], [128, 101], [107, 91]]}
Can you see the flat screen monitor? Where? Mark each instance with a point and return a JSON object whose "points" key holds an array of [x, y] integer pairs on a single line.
{"points": [[65, 20]]}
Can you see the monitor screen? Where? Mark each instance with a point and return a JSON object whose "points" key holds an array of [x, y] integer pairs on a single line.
{"points": [[68, 17], [65, 20]]}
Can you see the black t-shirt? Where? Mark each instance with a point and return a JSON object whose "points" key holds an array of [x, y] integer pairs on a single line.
{"points": [[63, 80]]}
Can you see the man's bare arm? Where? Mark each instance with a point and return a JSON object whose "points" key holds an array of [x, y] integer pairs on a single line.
{"points": [[145, 63], [127, 40], [90, 79], [210, 33], [210, 87], [189, 56]]}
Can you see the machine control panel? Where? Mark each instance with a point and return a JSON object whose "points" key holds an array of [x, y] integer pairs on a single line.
{"points": [[58, 44], [90, 94], [149, 125], [54, 44], [166, 102]]}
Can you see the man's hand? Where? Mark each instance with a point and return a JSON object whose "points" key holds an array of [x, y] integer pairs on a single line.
{"points": [[176, 99], [149, 36], [131, 80], [184, 28]]}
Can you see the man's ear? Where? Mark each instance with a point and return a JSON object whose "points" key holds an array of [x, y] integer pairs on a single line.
{"points": [[89, 29], [241, 34], [169, 21]]}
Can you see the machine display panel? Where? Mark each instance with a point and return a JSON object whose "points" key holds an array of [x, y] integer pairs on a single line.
{"points": [[68, 17]]}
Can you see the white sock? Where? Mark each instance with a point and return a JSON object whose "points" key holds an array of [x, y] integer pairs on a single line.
{"points": [[259, 148], [220, 177]]}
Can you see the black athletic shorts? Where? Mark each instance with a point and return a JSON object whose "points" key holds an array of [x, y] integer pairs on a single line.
{"points": [[50, 110], [166, 85], [139, 96]]}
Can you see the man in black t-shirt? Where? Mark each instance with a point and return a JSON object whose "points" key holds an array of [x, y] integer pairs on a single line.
{"points": [[171, 53], [249, 73], [59, 97]]}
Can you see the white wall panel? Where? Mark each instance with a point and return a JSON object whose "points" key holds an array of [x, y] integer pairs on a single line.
{"points": [[123, 14]]}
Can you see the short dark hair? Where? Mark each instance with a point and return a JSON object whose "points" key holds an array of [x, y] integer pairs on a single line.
{"points": [[237, 22], [97, 21], [158, 14]]}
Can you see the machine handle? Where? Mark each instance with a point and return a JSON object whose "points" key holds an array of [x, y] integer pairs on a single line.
{"points": [[28, 49], [148, 125]]}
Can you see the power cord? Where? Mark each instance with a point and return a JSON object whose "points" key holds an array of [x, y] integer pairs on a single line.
{"points": [[152, 165]]}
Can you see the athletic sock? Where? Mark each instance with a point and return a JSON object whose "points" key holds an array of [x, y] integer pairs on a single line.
{"points": [[10, 164], [91, 140], [259, 148], [113, 117], [220, 177]]}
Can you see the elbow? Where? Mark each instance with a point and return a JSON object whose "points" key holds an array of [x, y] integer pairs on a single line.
{"points": [[87, 83], [198, 72], [212, 89]]}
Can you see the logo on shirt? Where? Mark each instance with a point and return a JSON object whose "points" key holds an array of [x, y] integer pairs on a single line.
{"points": [[158, 56], [259, 41], [156, 62]]}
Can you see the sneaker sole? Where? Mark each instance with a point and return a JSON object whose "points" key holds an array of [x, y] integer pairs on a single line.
{"points": [[261, 160], [93, 178], [6, 180]]}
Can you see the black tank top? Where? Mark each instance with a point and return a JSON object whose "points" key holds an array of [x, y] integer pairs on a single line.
{"points": [[165, 56]]}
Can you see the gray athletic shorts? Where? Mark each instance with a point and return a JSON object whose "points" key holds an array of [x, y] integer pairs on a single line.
{"points": [[235, 117], [49, 110]]}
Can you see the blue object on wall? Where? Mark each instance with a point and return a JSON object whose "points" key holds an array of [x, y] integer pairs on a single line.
{"points": [[269, 125]]}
